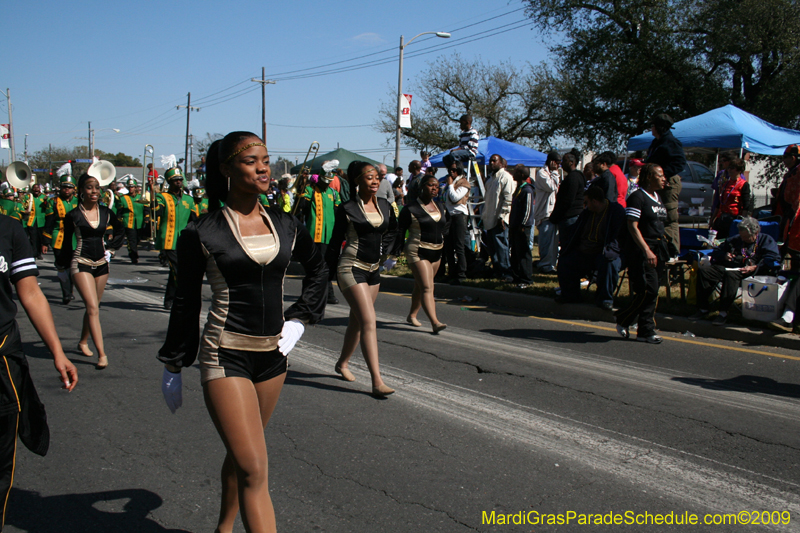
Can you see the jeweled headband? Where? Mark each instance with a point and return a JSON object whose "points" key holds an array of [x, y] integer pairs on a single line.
{"points": [[242, 149]]}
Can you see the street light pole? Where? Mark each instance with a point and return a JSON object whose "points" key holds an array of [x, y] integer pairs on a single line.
{"points": [[7, 94], [443, 35]]}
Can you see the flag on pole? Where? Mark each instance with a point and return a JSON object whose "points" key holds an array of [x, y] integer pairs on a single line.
{"points": [[4, 136], [405, 111]]}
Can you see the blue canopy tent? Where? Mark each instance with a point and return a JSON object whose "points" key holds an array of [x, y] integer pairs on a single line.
{"points": [[513, 153], [723, 129]]}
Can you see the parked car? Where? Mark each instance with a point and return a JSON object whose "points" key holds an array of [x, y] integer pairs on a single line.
{"points": [[694, 202]]}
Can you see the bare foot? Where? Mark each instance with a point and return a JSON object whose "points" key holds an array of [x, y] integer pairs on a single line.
{"points": [[83, 349]]}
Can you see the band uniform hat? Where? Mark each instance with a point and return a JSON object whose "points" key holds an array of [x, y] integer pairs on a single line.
{"points": [[133, 183], [173, 174], [663, 120], [636, 163], [791, 151], [198, 192], [66, 181]]}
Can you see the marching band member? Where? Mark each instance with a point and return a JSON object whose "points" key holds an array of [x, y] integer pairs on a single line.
{"points": [[175, 210], [200, 201], [427, 223], [54, 230], [319, 203], [9, 206], [243, 249], [88, 260], [130, 211], [368, 225], [35, 204]]}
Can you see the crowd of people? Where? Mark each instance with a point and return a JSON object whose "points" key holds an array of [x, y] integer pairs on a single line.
{"points": [[240, 229]]}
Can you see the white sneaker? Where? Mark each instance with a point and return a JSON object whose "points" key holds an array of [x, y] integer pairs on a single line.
{"points": [[623, 332], [652, 339]]}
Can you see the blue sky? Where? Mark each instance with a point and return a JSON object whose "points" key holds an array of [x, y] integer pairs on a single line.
{"points": [[126, 65]]}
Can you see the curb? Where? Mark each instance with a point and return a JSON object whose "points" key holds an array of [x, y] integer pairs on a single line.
{"points": [[545, 307], [752, 336]]}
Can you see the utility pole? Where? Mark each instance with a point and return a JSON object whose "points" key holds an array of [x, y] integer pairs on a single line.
{"points": [[189, 110], [89, 143], [26, 147], [264, 82], [7, 94]]}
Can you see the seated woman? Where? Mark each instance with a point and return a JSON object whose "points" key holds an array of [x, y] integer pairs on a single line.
{"points": [[750, 253]]}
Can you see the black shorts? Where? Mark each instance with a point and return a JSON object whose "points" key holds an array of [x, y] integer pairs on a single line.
{"points": [[424, 254], [349, 276], [255, 366], [77, 268]]}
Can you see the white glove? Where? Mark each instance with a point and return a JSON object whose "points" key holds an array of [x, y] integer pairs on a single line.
{"points": [[389, 264], [292, 331], [171, 387], [63, 275], [108, 256]]}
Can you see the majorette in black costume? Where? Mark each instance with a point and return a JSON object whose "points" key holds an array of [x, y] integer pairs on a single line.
{"points": [[246, 315], [89, 254], [426, 232], [368, 237]]}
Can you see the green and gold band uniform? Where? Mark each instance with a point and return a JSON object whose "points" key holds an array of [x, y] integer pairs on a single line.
{"points": [[202, 206], [54, 216], [35, 221], [173, 213], [12, 209], [53, 236], [36, 216], [130, 211], [321, 212]]}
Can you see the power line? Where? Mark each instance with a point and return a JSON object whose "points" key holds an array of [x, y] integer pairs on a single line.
{"points": [[424, 51], [392, 49], [321, 127], [210, 100]]}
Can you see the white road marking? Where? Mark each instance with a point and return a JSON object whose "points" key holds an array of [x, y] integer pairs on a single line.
{"points": [[603, 368], [717, 488], [125, 294]]}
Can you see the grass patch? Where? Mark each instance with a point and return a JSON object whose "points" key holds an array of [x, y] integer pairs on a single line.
{"points": [[545, 285]]}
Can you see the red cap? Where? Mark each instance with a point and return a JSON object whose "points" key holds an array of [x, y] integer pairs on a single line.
{"points": [[636, 163]]}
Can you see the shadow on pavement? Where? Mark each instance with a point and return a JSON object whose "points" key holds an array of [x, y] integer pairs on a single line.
{"points": [[117, 510], [572, 337], [746, 384], [293, 377]]}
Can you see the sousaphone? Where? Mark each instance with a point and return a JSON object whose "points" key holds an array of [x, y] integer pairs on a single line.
{"points": [[19, 175], [103, 171]]}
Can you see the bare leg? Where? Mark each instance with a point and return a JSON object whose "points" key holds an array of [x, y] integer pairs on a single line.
{"points": [[83, 344], [423, 275], [416, 299], [91, 291], [352, 336], [361, 298], [241, 410]]}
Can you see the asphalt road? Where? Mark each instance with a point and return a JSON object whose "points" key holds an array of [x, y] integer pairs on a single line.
{"points": [[501, 413]]}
